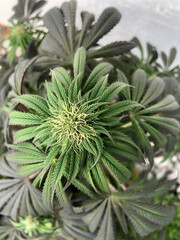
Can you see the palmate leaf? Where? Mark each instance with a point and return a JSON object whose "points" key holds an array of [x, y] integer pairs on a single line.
{"points": [[146, 92], [52, 47], [145, 217], [45, 165], [32, 160], [54, 21], [17, 194], [168, 60], [60, 41], [94, 217], [102, 213]]}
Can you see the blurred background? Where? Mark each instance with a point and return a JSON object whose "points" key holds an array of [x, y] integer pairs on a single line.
{"points": [[155, 21]]}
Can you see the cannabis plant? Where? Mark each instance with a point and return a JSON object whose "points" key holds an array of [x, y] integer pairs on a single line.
{"points": [[24, 27], [80, 134], [64, 38]]}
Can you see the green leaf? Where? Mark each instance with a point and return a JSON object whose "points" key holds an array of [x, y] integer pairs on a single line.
{"points": [[164, 58], [108, 19], [139, 82], [118, 170], [79, 63], [99, 71], [54, 21], [54, 150], [73, 90], [122, 78], [143, 140], [138, 43], [27, 148], [89, 146], [121, 218], [24, 119], [170, 124], [157, 135], [52, 100], [99, 88], [59, 74], [93, 218], [119, 107], [99, 177], [123, 149], [62, 197], [34, 102], [83, 188], [142, 226], [74, 167], [112, 91], [155, 213], [47, 193], [69, 12], [59, 90], [87, 20], [156, 87], [21, 158], [17, 195], [52, 47], [20, 72], [60, 167], [172, 56], [112, 49], [24, 134], [166, 104], [120, 136], [106, 230]]}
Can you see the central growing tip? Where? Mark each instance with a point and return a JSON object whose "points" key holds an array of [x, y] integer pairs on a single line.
{"points": [[69, 123]]}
